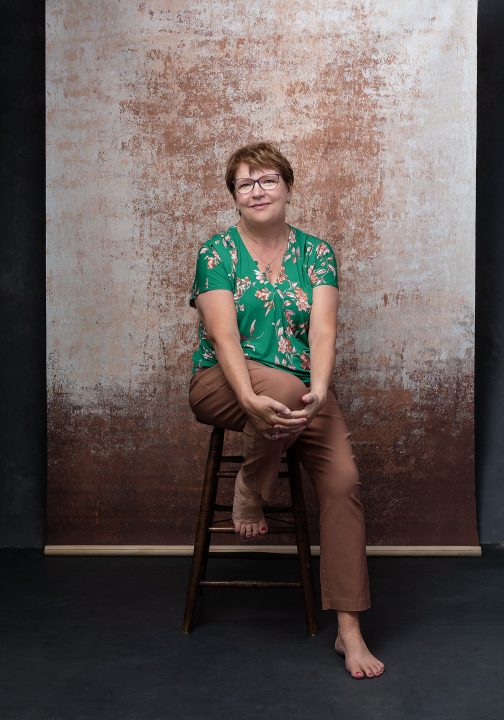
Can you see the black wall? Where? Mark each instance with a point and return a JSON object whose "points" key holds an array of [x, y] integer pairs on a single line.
{"points": [[490, 273], [22, 274]]}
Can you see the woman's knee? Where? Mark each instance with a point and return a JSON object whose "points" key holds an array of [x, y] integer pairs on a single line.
{"points": [[290, 393], [279, 384]]}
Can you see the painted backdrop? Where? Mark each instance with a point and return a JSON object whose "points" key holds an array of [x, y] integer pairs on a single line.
{"points": [[374, 104]]}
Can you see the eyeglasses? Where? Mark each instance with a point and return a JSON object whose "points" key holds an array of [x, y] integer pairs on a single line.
{"points": [[266, 182]]}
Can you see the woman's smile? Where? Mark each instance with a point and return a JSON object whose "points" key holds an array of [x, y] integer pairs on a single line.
{"points": [[259, 206]]}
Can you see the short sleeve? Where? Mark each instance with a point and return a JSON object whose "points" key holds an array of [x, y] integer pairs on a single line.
{"points": [[322, 265], [211, 273]]}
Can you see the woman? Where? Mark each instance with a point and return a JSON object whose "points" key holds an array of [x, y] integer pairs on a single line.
{"points": [[267, 298]]}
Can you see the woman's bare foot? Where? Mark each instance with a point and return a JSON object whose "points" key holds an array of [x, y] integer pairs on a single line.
{"points": [[248, 517], [359, 661]]}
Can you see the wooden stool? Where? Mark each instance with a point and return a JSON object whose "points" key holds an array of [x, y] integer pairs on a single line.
{"points": [[205, 528]]}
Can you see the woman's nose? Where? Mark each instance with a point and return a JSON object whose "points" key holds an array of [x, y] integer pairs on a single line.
{"points": [[257, 189]]}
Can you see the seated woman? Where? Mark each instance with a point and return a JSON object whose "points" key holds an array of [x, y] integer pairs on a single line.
{"points": [[267, 298]]}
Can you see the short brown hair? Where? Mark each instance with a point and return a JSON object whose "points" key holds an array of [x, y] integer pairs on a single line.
{"points": [[257, 156]]}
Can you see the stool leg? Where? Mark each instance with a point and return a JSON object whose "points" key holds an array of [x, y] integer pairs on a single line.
{"points": [[205, 518], [302, 540], [214, 460]]}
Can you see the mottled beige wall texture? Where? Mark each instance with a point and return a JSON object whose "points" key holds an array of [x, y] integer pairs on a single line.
{"points": [[374, 104]]}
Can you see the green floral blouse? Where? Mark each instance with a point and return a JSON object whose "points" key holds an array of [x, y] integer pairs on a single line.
{"points": [[273, 320]]}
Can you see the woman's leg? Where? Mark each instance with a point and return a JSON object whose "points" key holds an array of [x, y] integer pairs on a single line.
{"points": [[326, 454], [213, 401], [262, 456]]}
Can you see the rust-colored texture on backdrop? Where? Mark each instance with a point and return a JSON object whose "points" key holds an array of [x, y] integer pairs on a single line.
{"points": [[374, 104]]}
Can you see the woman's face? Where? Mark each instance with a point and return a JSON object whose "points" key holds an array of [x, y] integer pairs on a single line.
{"points": [[260, 205]]}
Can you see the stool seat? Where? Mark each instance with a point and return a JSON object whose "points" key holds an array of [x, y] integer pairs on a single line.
{"points": [[207, 526]]}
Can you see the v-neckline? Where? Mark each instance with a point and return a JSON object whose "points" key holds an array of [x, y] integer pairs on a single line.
{"points": [[291, 236]]}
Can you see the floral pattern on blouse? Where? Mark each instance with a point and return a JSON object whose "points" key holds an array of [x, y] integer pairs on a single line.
{"points": [[273, 319]]}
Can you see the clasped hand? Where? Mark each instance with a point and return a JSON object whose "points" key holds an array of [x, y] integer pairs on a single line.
{"points": [[275, 420]]}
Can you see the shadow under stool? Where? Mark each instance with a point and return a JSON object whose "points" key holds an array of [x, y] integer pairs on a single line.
{"points": [[298, 526]]}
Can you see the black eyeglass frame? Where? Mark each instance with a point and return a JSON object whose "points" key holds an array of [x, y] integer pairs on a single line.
{"points": [[258, 181]]}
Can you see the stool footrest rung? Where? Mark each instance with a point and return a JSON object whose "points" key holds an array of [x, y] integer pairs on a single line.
{"points": [[248, 584], [284, 530], [239, 459], [272, 509], [232, 474]]}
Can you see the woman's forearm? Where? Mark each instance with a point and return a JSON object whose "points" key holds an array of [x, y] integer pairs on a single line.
{"points": [[322, 357], [234, 367], [322, 338]]}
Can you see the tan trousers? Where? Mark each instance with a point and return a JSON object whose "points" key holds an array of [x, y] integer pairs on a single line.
{"points": [[325, 452]]}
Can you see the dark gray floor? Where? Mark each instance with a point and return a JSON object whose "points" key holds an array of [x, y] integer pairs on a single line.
{"points": [[101, 638]]}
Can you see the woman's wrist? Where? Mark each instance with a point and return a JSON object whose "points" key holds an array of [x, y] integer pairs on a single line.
{"points": [[246, 400], [320, 391]]}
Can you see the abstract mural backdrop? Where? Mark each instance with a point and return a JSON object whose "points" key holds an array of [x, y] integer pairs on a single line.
{"points": [[374, 104]]}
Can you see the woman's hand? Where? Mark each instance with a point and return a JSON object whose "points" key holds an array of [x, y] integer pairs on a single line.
{"points": [[273, 419], [314, 403]]}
